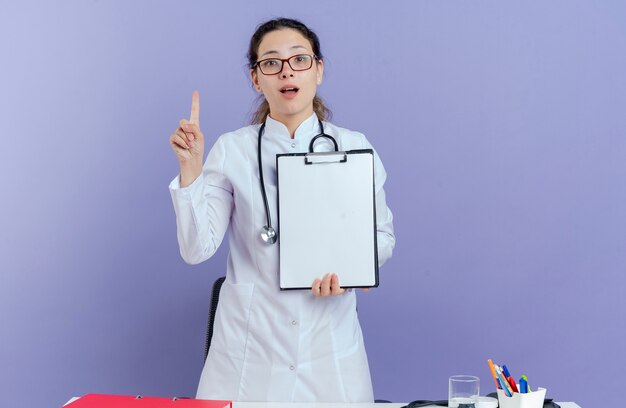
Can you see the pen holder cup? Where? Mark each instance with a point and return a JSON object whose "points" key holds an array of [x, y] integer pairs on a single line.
{"points": [[528, 400]]}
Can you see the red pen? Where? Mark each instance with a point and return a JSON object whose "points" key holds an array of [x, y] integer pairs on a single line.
{"points": [[512, 383], [509, 378]]}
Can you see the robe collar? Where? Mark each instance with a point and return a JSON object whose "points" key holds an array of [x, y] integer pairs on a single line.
{"points": [[307, 129]]}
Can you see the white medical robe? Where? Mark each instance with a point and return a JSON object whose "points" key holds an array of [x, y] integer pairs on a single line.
{"points": [[272, 345]]}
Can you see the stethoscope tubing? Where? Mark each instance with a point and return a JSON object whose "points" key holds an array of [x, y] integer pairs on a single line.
{"points": [[268, 234], [267, 206]]}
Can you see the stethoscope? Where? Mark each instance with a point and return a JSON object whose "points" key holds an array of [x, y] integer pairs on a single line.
{"points": [[269, 234]]}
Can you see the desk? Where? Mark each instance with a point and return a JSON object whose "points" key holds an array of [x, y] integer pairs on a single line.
{"points": [[342, 405], [334, 405]]}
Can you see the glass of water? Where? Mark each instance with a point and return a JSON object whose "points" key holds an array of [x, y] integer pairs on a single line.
{"points": [[463, 391]]}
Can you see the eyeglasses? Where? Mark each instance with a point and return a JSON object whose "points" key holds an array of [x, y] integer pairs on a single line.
{"points": [[273, 66]]}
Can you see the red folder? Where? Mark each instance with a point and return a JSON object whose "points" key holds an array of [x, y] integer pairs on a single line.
{"points": [[121, 401]]}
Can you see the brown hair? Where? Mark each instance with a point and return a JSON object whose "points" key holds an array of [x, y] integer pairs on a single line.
{"points": [[320, 109]]}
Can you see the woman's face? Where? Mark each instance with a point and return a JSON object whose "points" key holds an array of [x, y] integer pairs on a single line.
{"points": [[289, 93]]}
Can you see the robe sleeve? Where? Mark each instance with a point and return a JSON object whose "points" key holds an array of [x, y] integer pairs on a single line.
{"points": [[203, 209], [385, 237]]}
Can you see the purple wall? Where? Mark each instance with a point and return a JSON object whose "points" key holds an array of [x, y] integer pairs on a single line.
{"points": [[502, 126]]}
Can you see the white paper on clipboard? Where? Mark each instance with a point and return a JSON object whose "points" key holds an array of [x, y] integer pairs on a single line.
{"points": [[327, 218]]}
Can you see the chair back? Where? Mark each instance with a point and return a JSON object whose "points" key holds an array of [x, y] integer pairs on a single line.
{"points": [[215, 297]]}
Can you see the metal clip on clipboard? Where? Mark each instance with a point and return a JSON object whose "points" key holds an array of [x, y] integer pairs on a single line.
{"points": [[324, 157]]}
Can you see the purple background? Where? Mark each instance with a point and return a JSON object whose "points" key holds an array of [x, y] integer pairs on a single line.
{"points": [[502, 126]]}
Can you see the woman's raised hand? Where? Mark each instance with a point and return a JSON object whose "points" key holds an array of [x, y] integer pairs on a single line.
{"points": [[188, 144]]}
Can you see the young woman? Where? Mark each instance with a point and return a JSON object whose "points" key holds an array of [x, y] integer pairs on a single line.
{"points": [[271, 345]]}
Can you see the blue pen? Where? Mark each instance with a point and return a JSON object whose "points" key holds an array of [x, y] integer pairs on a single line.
{"points": [[501, 386], [523, 385], [505, 371], [504, 383]]}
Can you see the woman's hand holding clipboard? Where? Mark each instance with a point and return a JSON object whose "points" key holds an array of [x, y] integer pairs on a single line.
{"points": [[329, 286]]}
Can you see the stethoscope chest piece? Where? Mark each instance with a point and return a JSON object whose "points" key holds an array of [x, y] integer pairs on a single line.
{"points": [[268, 235]]}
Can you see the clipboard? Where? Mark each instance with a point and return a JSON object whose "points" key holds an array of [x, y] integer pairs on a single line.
{"points": [[327, 217]]}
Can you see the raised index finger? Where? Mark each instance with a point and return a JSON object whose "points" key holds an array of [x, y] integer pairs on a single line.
{"points": [[195, 108]]}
